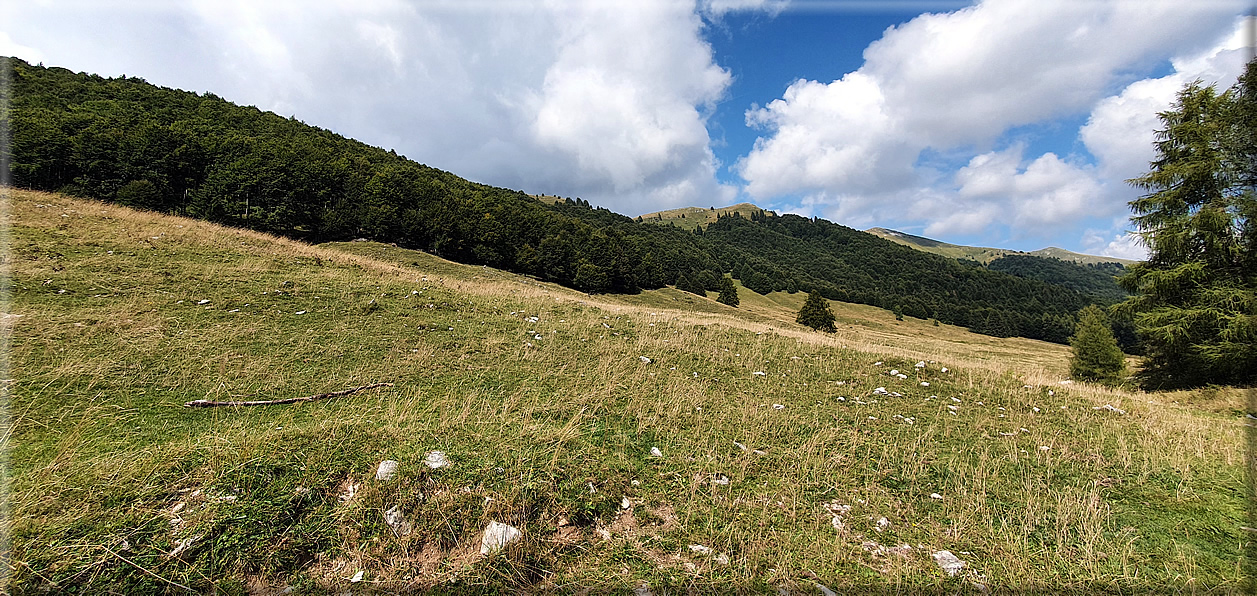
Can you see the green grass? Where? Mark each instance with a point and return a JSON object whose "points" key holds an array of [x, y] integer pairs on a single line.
{"points": [[109, 473]]}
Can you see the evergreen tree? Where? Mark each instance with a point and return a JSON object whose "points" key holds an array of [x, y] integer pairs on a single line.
{"points": [[728, 292], [1096, 355], [1196, 297], [816, 313]]}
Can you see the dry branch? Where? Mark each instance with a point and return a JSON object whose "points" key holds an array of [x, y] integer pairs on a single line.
{"points": [[205, 403]]}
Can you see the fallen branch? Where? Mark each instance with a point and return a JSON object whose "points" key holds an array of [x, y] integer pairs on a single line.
{"points": [[205, 403]]}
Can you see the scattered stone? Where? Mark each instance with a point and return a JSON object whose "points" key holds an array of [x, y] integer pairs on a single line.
{"points": [[759, 373], [881, 391], [836, 522], [902, 376], [397, 521], [1110, 408], [778, 407], [1044, 448], [920, 364], [825, 591], [944, 369], [700, 549], [644, 359], [721, 558], [386, 470], [739, 445], [882, 524], [183, 545], [948, 562], [625, 503], [654, 451], [720, 479], [203, 302], [878, 363], [436, 459], [925, 384], [936, 496], [894, 372], [497, 536]]}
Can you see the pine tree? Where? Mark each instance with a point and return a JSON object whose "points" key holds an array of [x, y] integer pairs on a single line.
{"points": [[1096, 356], [728, 292], [816, 313], [1195, 303]]}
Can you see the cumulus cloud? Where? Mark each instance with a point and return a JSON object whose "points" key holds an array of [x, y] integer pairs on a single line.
{"points": [[1122, 246], [1121, 129], [956, 83], [604, 101]]}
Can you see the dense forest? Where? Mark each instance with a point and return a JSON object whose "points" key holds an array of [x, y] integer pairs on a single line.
{"points": [[127, 141]]}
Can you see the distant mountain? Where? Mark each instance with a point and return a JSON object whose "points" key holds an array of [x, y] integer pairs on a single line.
{"points": [[985, 255]]}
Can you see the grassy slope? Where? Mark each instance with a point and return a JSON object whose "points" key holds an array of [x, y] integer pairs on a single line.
{"points": [[109, 474], [689, 218], [986, 255]]}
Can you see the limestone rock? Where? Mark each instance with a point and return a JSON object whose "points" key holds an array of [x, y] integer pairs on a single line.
{"points": [[386, 470], [497, 536]]}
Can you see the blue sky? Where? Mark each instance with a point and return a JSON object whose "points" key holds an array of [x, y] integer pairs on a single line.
{"points": [[1008, 123]]}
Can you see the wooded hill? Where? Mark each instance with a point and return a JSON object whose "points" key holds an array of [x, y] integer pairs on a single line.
{"points": [[127, 141]]}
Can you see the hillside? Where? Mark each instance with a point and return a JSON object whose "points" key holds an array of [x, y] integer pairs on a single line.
{"points": [[786, 459], [986, 255], [689, 218], [132, 143]]}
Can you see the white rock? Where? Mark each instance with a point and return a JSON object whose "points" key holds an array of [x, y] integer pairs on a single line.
{"points": [[720, 479], [878, 363], [386, 470], [759, 373], [656, 452], [948, 562], [881, 391], [357, 577], [825, 591], [925, 383], [700, 549], [882, 524], [496, 536], [644, 359], [436, 459], [778, 407], [902, 376], [1110, 408], [935, 496], [893, 372], [920, 364], [203, 302], [837, 523], [944, 369], [397, 521], [721, 558], [625, 503]]}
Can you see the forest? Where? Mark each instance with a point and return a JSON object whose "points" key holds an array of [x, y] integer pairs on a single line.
{"points": [[126, 141]]}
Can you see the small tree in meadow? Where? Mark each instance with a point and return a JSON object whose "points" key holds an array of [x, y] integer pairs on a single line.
{"points": [[1096, 356], [728, 292], [816, 313]]}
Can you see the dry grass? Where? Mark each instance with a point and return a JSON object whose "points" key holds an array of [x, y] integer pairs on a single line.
{"points": [[551, 433]]}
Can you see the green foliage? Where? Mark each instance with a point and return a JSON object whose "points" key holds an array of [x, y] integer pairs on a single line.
{"points": [[1094, 279], [688, 283], [816, 313], [1196, 297], [1095, 354], [728, 292]]}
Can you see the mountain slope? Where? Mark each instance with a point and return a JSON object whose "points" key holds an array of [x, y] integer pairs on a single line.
{"points": [[777, 451], [985, 255], [176, 152]]}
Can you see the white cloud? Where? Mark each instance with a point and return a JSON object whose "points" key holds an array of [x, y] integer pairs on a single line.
{"points": [[958, 82], [1121, 129], [580, 98], [1122, 246]]}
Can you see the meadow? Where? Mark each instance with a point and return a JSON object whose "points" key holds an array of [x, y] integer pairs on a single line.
{"points": [[658, 442]]}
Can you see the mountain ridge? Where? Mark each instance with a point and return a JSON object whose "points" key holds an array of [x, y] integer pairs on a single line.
{"points": [[984, 254]]}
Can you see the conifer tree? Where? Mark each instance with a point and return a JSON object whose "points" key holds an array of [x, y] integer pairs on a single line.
{"points": [[728, 292], [816, 313], [1195, 303], [1095, 354]]}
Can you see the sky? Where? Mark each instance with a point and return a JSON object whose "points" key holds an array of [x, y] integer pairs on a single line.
{"points": [[1005, 123]]}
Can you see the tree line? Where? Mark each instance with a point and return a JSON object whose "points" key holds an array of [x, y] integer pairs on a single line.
{"points": [[126, 141]]}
